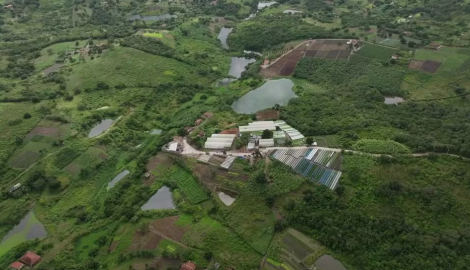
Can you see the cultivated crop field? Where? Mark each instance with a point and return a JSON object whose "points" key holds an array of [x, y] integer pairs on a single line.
{"points": [[91, 157], [378, 52], [186, 182], [330, 49], [446, 59]]}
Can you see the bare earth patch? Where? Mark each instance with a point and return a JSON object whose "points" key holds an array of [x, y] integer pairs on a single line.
{"points": [[167, 227], [267, 115]]}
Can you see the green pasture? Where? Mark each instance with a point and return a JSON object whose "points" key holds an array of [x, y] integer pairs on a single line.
{"points": [[153, 35], [50, 53], [452, 59], [20, 236], [131, 67], [378, 52], [87, 242]]}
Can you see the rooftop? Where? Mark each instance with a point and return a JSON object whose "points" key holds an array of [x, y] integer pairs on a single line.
{"points": [[30, 258], [188, 266], [16, 265]]}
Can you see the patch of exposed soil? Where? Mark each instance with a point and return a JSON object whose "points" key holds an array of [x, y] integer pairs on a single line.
{"points": [[167, 227]]}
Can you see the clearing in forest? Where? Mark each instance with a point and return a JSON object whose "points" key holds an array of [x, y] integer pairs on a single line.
{"points": [[446, 59]]}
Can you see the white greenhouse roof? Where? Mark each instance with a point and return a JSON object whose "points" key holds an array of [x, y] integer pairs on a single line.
{"points": [[266, 142], [211, 139], [220, 141], [223, 136], [258, 126]]}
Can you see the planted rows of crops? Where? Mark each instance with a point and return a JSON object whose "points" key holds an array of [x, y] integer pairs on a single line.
{"points": [[186, 182]]}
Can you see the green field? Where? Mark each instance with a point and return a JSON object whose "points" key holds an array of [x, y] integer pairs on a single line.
{"points": [[192, 191], [153, 35], [452, 59], [378, 52], [87, 242], [50, 54], [130, 67]]}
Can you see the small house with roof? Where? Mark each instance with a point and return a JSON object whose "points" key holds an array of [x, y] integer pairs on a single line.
{"points": [[30, 259], [16, 266], [188, 266]]}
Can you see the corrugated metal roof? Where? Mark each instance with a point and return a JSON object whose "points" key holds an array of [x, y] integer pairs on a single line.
{"points": [[227, 162], [223, 135], [266, 142]]}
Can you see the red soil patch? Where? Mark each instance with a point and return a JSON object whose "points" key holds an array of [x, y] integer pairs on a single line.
{"points": [[144, 241], [113, 246], [430, 66], [230, 131], [45, 131], [415, 64], [267, 115], [167, 227]]}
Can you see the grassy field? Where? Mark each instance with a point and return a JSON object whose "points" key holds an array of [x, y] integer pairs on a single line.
{"points": [[131, 67], [87, 242], [13, 127], [153, 35], [50, 54], [452, 59], [186, 182], [378, 52]]}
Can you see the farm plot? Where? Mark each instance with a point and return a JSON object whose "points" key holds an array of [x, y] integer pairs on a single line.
{"points": [[446, 59], [50, 129], [145, 241], [156, 165], [285, 65], [169, 228], [65, 157], [314, 164], [186, 182], [267, 115], [92, 157], [295, 250], [25, 159], [377, 52]]}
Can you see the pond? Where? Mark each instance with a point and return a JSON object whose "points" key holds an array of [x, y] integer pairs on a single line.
{"points": [[226, 199], [100, 128], [151, 18], [223, 35], [29, 228], [326, 262], [269, 94], [162, 199], [393, 100], [117, 179], [238, 65], [262, 5]]}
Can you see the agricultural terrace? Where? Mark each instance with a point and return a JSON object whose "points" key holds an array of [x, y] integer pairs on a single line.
{"points": [[329, 49], [444, 60]]}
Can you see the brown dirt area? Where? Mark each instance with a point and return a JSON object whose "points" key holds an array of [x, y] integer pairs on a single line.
{"points": [[430, 66], [230, 131], [145, 241], [45, 131], [113, 246], [167, 227], [415, 64], [267, 115]]}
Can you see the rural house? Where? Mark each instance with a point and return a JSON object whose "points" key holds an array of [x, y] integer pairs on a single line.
{"points": [[435, 46], [198, 122], [16, 266], [30, 258], [188, 266]]}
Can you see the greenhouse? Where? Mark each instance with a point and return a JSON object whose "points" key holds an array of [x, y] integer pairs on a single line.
{"points": [[217, 142], [266, 142], [258, 127]]}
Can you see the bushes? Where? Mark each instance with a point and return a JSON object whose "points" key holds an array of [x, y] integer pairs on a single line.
{"points": [[380, 146]]}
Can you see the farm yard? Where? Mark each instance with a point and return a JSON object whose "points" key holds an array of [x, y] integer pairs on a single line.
{"points": [[330, 49]]}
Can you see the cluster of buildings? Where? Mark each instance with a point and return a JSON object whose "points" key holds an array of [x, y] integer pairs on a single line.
{"points": [[29, 259], [281, 134]]}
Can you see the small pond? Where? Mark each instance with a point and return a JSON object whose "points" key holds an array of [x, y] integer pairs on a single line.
{"points": [[152, 18], [100, 128], [269, 94], [238, 65], [393, 100], [262, 5], [117, 179], [162, 199], [223, 35], [156, 132], [326, 262], [29, 228], [226, 199]]}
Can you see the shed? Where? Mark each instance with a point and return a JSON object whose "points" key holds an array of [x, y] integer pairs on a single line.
{"points": [[198, 122], [30, 258], [188, 266], [266, 142], [16, 265], [173, 146]]}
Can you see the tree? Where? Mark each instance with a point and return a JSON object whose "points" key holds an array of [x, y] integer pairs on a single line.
{"points": [[267, 134], [309, 140], [77, 43], [260, 178], [27, 116], [182, 132]]}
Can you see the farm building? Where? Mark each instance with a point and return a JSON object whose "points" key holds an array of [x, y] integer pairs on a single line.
{"points": [[14, 188], [435, 46], [279, 137], [292, 134], [30, 258], [188, 266], [198, 122], [16, 266], [257, 127], [266, 142], [220, 141], [227, 162]]}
